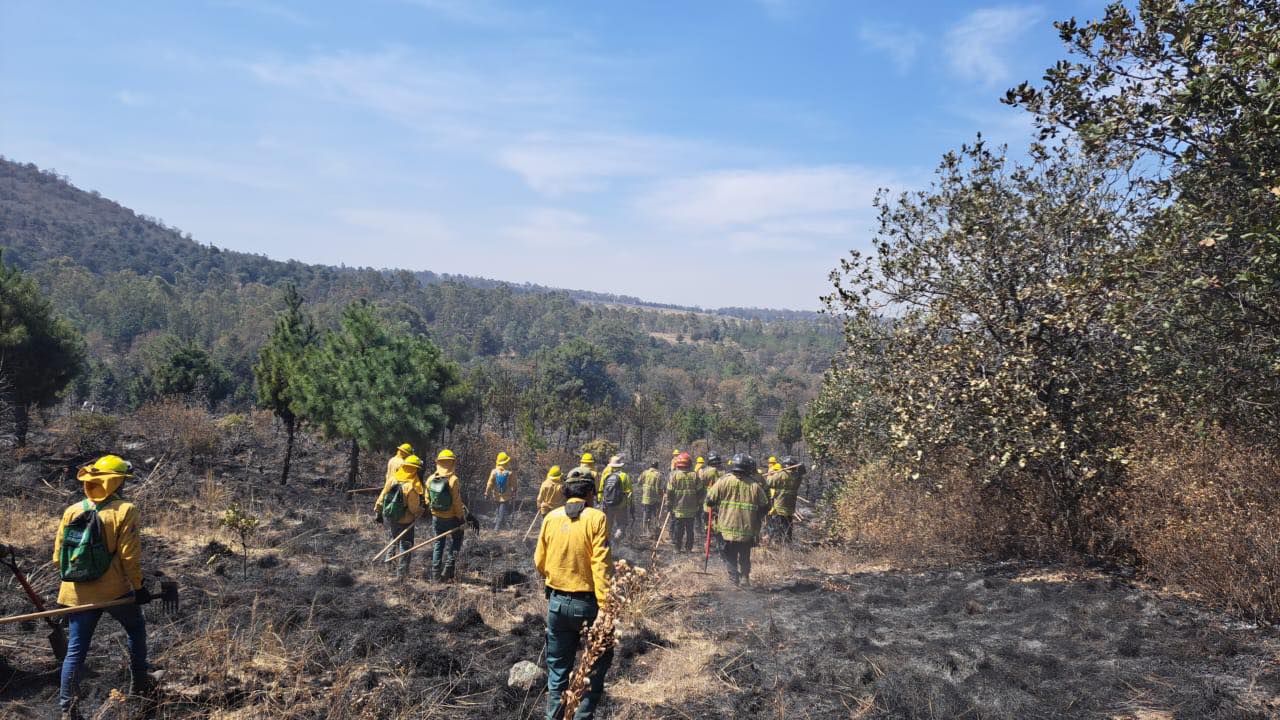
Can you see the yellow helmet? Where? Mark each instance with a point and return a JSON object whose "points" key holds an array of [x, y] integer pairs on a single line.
{"points": [[675, 452], [413, 461], [406, 448], [554, 473], [503, 458], [700, 461], [445, 455], [588, 459], [773, 460], [111, 465]]}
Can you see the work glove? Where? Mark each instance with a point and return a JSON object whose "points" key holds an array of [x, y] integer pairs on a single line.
{"points": [[142, 596], [377, 516], [473, 522]]}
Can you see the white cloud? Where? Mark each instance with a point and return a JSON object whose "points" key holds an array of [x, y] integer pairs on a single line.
{"points": [[561, 163], [132, 98], [977, 46], [796, 208], [409, 227], [899, 43], [551, 228]]}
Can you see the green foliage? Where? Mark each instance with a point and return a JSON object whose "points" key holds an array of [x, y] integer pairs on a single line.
{"points": [[244, 525], [184, 369], [279, 363], [790, 427], [374, 385], [600, 449], [40, 353]]}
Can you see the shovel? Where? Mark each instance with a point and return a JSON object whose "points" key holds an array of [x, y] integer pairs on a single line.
{"points": [[57, 635], [168, 598]]}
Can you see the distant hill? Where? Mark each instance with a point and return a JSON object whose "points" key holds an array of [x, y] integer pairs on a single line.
{"points": [[44, 217]]}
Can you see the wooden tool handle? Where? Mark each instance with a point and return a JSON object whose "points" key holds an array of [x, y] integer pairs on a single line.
{"points": [[424, 543], [393, 542], [66, 611]]}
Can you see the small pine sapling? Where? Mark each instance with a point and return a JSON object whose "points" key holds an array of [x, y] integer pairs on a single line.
{"points": [[244, 525]]}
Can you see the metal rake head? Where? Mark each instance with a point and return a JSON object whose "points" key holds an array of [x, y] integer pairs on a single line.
{"points": [[168, 596]]}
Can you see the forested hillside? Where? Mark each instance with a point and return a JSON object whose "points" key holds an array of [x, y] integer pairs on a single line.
{"points": [[147, 297]]}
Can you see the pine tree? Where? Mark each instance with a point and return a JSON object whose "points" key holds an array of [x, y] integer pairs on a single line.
{"points": [[279, 363], [374, 385], [39, 352], [790, 427]]}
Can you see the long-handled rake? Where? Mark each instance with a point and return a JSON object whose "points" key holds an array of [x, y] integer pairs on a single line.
{"points": [[57, 635], [168, 598]]}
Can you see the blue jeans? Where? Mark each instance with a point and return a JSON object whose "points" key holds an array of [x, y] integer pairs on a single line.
{"points": [[501, 513], [566, 616], [444, 554], [404, 543], [80, 628]]}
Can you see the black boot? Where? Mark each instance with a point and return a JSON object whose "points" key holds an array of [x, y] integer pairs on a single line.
{"points": [[143, 683]]}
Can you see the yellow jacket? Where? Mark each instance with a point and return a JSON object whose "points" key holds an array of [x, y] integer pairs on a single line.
{"points": [[394, 464], [120, 526], [413, 492], [573, 554], [456, 510], [550, 495], [491, 487]]}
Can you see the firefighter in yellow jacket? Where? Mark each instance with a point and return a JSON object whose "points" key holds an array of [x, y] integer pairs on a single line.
{"points": [[398, 507], [448, 514], [501, 489], [573, 555], [551, 493], [402, 452], [739, 502], [101, 561]]}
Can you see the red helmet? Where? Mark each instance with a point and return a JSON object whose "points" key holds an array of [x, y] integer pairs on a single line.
{"points": [[684, 460]]}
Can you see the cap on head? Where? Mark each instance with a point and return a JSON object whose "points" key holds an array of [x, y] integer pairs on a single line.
{"points": [[588, 459], [446, 456], [503, 458]]}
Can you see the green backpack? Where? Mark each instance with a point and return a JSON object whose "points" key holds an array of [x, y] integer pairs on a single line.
{"points": [[441, 497], [84, 555], [394, 504]]}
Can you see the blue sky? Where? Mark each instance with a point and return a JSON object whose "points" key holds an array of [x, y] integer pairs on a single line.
{"points": [[708, 152]]}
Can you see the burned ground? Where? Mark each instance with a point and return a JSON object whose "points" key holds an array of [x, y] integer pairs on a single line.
{"points": [[314, 630]]}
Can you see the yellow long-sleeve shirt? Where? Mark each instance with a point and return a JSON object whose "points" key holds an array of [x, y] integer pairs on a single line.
{"points": [[120, 528], [573, 554], [550, 495], [491, 487], [413, 492]]}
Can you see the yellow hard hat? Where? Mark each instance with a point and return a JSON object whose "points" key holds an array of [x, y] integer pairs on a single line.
{"points": [[554, 473], [675, 452], [503, 458], [111, 465], [772, 460], [413, 461], [406, 448], [588, 459], [445, 455], [700, 461]]}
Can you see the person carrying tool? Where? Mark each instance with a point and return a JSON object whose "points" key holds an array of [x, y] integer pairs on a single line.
{"points": [[784, 486], [739, 502], [99, 558], [573, 556], [501, 488], [708, 475], [614, 491], [651, 490], [398, 507], [402, 452], [448, 513], [551, 493], [685, 493]]}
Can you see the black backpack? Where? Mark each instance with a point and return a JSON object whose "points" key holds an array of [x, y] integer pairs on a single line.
{"points": [[613, 494]]}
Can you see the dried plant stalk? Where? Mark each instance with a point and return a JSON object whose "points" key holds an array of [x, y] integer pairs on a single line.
{"points": [[601, 635]]}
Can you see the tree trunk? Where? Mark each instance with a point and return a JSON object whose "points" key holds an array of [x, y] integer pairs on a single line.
{"points": [[353, 469], [21, 422], [290, 425]]}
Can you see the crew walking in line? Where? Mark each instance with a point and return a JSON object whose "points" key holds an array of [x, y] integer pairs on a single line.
{"points": [[573, 555], [501, 488], [98, 554], [652, 488], [398, 507], [402, 453], [444, 496], [739, 502], [614, 491], [551, 492], [685, 494], [784, 487]]}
